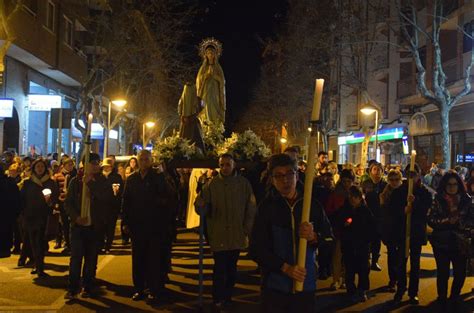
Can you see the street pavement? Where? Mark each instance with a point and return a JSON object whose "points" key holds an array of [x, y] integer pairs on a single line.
{"points": [[21, 292]]}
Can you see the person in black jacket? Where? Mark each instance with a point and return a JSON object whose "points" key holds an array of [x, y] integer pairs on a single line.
{"points": [[38, 197], [86, 226], [148, 210], [10, 196], [450, 214], [115, 183], [373, 187], [275, 237], [357, 225], [400, 205]]}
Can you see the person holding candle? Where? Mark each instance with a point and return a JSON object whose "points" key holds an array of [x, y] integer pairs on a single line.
{"points": [[372, 188], [450, 214], [274, 240], [356, 223], [63, 179], [85, 229], [112, 209], [400, 204], [38, 198]]}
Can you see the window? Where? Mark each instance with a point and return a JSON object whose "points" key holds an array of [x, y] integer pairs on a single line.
{"points": [[31, 6], [467, 41], [68, 31], [50, 15]]}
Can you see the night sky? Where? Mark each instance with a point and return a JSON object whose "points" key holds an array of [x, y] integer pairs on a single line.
{"points": [[240, 26]]}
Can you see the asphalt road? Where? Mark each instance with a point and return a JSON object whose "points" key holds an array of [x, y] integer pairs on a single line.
{"points": [[21, 292]]}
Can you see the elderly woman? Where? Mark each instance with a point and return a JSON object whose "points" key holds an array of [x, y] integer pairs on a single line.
{"points": [[450, 214], [38, 197]]}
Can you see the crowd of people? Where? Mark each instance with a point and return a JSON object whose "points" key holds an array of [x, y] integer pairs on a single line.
{"points": [[354, 210]]}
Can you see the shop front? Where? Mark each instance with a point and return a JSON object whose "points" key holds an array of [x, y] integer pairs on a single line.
{"points": [[428, 145], [392, 146]]}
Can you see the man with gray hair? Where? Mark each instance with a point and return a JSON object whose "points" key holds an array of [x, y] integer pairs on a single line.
{"points": [[148, 211], [229, 205]]}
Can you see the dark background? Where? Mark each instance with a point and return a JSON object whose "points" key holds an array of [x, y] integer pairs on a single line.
{"points": [[241, 27]]}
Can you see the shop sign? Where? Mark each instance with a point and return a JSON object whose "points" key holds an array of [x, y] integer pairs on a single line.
{"points": [[97, 131], [468, 158], [44, 102], [6, 108], [382, 134]]}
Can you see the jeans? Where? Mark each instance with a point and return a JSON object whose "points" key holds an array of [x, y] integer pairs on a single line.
{"points": [[415, 255], [443, 260], [277, 302], [224, 274], [84, 246]]}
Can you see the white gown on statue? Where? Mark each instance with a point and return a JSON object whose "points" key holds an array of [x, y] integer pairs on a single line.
{"points": [[192, 218]]}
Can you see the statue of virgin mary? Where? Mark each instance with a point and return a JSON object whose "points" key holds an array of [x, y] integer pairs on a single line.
{"points": [[210, 82]]}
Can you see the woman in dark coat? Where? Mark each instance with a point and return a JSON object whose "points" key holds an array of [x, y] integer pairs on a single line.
{"points": [[450, 215], [37, 204], [10, 208]]}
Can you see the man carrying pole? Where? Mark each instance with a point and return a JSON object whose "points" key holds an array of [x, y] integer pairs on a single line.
{"points": [[274, 240], [410, 204]]}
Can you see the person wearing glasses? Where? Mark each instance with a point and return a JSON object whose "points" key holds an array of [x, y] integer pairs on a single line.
{"points": [[400, 204], [450, 214], [228, 204], [275, 238]]}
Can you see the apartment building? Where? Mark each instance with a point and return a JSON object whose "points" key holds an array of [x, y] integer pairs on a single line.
{"points": [[406, 120], [456, 55], [365, 74], [44, 68]]}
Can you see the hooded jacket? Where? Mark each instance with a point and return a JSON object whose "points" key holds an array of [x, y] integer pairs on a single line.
{"points": [[275, 239]]}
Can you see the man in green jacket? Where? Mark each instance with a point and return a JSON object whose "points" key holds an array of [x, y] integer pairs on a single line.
{"points": [[229, 205]]}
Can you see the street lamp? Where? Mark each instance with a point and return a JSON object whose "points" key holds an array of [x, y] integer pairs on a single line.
{"points": [[149, 124], [368, 110], [119, 103]]}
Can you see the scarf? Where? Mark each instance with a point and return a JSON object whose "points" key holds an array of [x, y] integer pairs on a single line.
{"points": [[39, 181]]}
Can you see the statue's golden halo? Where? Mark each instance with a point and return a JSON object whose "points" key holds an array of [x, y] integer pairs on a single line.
{"points": [[210, 42]]}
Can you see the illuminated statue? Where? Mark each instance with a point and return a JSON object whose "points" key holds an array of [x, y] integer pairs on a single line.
{"points": [[210, 82]]}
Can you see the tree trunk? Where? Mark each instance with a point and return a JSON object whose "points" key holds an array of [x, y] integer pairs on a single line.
{"points": [[445, 144]]}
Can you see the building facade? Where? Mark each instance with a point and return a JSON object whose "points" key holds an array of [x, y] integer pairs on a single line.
{"points": [[44, 68]]}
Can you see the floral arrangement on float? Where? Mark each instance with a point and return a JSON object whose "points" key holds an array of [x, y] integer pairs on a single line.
{"points": [[174, 147], [246, 146], [213, 137]]}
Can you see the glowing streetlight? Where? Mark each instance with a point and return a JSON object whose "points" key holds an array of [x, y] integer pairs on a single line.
{"points": [[368, 110], [283, 140], [119, 103], [146, 125]]}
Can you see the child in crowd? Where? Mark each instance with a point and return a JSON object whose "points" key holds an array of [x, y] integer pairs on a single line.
{"points": [[357, 224]]}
